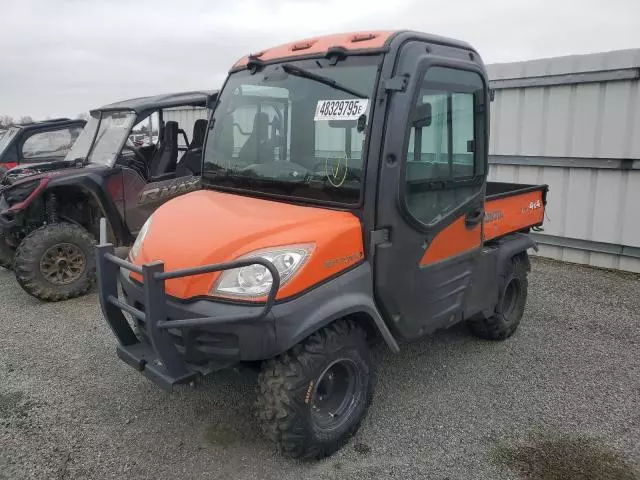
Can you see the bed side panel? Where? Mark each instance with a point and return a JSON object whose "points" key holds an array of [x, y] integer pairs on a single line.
{"points": [[513, 213]]}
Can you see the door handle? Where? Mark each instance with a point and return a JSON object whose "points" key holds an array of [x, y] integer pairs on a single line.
{"points": [[474, 217]]}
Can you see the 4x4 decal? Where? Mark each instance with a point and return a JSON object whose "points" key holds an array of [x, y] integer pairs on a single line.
{"points": [[170, 188]]}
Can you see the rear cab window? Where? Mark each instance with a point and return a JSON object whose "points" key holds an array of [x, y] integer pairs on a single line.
{"points": [[50, 143]]}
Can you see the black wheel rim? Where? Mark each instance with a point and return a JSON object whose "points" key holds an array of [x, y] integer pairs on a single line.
{"points": [[62, 264], [335, 395], [510, 299]]}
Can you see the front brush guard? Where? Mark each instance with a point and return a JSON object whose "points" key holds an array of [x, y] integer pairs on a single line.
{"points": [[159, 360]]}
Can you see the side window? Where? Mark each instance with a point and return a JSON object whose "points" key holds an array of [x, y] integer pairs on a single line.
{"points": [[145, 132], [53, 143], [446, 126]]}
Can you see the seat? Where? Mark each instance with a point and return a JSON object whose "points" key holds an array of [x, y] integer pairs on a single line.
{"points": [[166, 158], [191, 161], [258, 148], [199, 132]]}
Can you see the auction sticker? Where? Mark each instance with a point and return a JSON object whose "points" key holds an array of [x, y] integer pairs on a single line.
{"points": [[340, 109]]}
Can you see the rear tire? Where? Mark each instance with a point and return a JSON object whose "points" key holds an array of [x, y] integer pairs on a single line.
{"points": [[511, 303], [56, 262], [313, 398], [6, 254]]}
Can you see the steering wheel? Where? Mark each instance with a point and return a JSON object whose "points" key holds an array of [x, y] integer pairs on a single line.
{"points": [[140, 162], [130, 146]]}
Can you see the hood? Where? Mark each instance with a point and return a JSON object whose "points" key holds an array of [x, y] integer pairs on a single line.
{"points": [[206, 227], [33, 169]]}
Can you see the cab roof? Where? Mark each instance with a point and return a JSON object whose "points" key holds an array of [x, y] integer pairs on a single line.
{"points": [[48, 123], [142, 104], [353, 42]]}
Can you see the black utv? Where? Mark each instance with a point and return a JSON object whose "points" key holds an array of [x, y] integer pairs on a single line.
{"points": [[131, 157], [37, 142]]}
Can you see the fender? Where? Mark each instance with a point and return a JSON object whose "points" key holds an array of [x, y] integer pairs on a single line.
{"points": [[89, 185], [511, 246], [348, 294]]}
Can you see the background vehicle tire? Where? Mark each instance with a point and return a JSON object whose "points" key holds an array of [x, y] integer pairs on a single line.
{"points": [[56, 262], [511, 303], [313, 398], [6, 254]]}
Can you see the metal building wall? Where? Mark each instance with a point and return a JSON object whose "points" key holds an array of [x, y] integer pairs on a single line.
{"points": [[574, 123], [186, 117]]}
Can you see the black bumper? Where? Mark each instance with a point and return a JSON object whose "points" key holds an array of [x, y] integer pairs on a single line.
{"points": [[180, 340]]}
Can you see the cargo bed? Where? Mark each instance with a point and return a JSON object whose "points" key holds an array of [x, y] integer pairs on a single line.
{"points": [[513, 207]]}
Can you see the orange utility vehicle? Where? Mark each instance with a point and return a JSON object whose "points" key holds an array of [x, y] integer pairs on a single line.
{"points": [[344, 199]]}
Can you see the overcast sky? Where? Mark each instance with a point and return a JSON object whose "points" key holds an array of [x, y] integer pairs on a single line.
{"points": [[63, 57]]}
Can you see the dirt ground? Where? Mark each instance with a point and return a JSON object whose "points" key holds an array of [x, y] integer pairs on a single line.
{"points": [[559, 400]]}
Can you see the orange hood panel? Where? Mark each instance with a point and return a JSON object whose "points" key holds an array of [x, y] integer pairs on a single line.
{"points": [[206, 227]]}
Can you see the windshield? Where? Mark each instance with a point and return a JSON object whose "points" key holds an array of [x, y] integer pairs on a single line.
{"points": [[294, 129], [6, 136], [113, 131], [83, 143]]}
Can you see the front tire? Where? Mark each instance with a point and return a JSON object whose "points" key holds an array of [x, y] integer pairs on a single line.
{"points": [[56, 262], [511, 303], [313, 398]]}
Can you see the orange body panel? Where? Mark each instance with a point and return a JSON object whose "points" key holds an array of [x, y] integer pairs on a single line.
{"points": [[206, 227], [512, 213], [309, 46], [502, 216], [455, 239]]}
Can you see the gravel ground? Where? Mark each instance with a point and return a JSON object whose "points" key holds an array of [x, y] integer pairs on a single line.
{"points": [[560, 396]]}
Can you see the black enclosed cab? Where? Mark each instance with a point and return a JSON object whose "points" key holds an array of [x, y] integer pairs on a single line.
{"points": [[37, 142], [345, 199], [130, 157]]}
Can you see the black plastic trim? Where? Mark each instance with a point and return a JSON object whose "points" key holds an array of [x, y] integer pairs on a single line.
{"points": [[513, 189]]}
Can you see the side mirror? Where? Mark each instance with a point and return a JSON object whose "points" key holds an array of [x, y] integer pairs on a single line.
{"points": [[422, 116]]}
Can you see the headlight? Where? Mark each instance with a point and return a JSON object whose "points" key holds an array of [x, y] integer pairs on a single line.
{"points": [[255, 280], [20, 192], [135, 248]]}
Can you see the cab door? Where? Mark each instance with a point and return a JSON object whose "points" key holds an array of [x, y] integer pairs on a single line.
{"points": [[431, 193]]}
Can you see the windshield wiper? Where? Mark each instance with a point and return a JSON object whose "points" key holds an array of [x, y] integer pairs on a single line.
{"points": [[301, 72]]}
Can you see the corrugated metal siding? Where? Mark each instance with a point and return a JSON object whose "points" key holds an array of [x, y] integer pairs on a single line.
{"points": [[186, 117], [581, 138]]}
